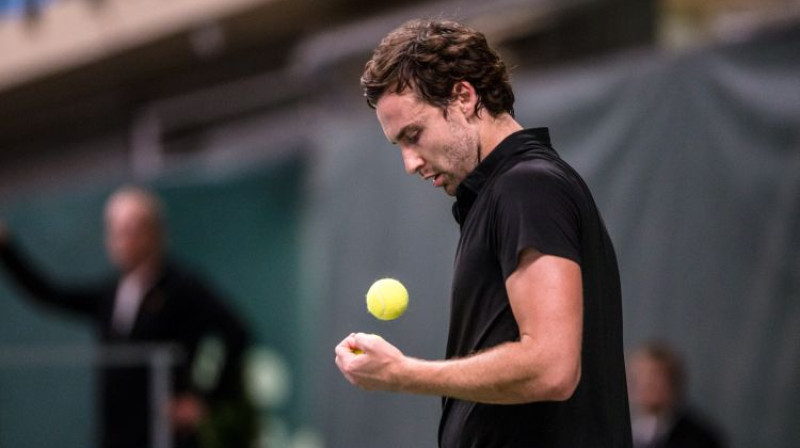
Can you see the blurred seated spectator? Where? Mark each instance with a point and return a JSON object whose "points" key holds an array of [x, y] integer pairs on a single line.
{"points": [[660, 416]]}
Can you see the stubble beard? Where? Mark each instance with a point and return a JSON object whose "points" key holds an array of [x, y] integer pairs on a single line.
{"points": [[463, 156]]}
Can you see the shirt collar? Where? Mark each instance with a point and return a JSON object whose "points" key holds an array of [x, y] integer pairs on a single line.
{"points": [[516, 143]]}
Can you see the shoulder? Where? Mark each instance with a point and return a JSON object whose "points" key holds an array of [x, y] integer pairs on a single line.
{"points": [[691, 430], [537, 173], [181, 278], [538, 182]]}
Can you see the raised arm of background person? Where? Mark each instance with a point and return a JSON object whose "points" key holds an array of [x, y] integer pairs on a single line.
{"points": [[38, 287], [546, 297]]}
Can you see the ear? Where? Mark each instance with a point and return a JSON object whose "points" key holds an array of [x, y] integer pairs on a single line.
{"points": [[464, 98]]}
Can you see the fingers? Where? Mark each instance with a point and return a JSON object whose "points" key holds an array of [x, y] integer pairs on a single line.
{"points": [[340, 363], [351, 347], [345, 354], [345, 344], [362, 340], [375, 368], [345, 351], [366, 342], [356, 343], [187, 411]]}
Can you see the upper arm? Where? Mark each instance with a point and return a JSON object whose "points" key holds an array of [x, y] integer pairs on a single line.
{"points": [[537, 208], [546, 297]]}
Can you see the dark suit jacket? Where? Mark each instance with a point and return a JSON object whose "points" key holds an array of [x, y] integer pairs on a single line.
{"points": [[178, 309], [689, 432]]}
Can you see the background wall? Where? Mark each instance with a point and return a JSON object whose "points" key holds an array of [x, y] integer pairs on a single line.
{"points": [[282, 188]]}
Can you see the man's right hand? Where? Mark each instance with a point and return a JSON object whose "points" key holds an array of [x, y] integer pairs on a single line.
{"points": [[369, 362]]}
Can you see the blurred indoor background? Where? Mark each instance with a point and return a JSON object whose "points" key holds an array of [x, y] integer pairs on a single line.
{"points": [[247, 116]]}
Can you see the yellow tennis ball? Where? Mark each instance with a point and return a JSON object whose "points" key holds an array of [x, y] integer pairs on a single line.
{"points": [[387, 299]]}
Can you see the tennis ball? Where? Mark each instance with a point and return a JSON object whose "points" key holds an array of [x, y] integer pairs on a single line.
{"points": [[387, 299]]}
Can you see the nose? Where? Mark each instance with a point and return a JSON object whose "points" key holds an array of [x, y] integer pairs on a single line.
{"points": [[412, 161]]}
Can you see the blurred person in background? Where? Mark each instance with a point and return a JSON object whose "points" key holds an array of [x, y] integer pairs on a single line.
{"points": [[661, 418], [534, 355], [151, 301]]}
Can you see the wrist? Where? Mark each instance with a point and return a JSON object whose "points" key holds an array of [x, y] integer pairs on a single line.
{"points": [[404, 375], [419, 376]]}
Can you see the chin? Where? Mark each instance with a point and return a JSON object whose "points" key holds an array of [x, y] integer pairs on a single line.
{"points": [[123, 266]]}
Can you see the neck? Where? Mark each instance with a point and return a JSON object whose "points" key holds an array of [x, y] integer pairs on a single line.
{"points": [[146, 271], [660, 412], [494, 130]]}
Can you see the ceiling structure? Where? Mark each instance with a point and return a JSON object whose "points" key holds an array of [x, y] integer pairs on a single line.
{"points": [[81, 66], [73, 68]]}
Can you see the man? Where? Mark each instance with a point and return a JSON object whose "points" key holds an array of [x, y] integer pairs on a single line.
{"points": [[661, 418], [152, 302], [534, 356]]}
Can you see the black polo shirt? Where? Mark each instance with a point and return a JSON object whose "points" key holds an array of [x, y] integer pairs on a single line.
{"points": [[524, 196]]}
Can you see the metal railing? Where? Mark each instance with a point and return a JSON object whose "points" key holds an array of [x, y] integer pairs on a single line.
{"points": [[158, 358]]}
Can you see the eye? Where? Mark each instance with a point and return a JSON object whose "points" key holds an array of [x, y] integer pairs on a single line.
{"points": [[413, 137]]}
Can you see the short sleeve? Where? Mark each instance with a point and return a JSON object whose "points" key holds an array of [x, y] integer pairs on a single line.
{"points": [[537, 207]]}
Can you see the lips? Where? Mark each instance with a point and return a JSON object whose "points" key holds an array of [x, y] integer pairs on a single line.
{"points": [[437, 179]]}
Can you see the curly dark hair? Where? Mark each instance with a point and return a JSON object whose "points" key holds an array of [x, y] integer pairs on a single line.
{"points": [[430, 57]]}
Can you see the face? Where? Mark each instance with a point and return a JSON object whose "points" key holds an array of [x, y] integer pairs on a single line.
{"points": [[651, 390], [441, 149], [132, 236]]}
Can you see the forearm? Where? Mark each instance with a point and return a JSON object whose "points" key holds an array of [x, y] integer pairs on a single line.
{"points": [[24, 274], [545, 294], [511, 373], [41, 289]]}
